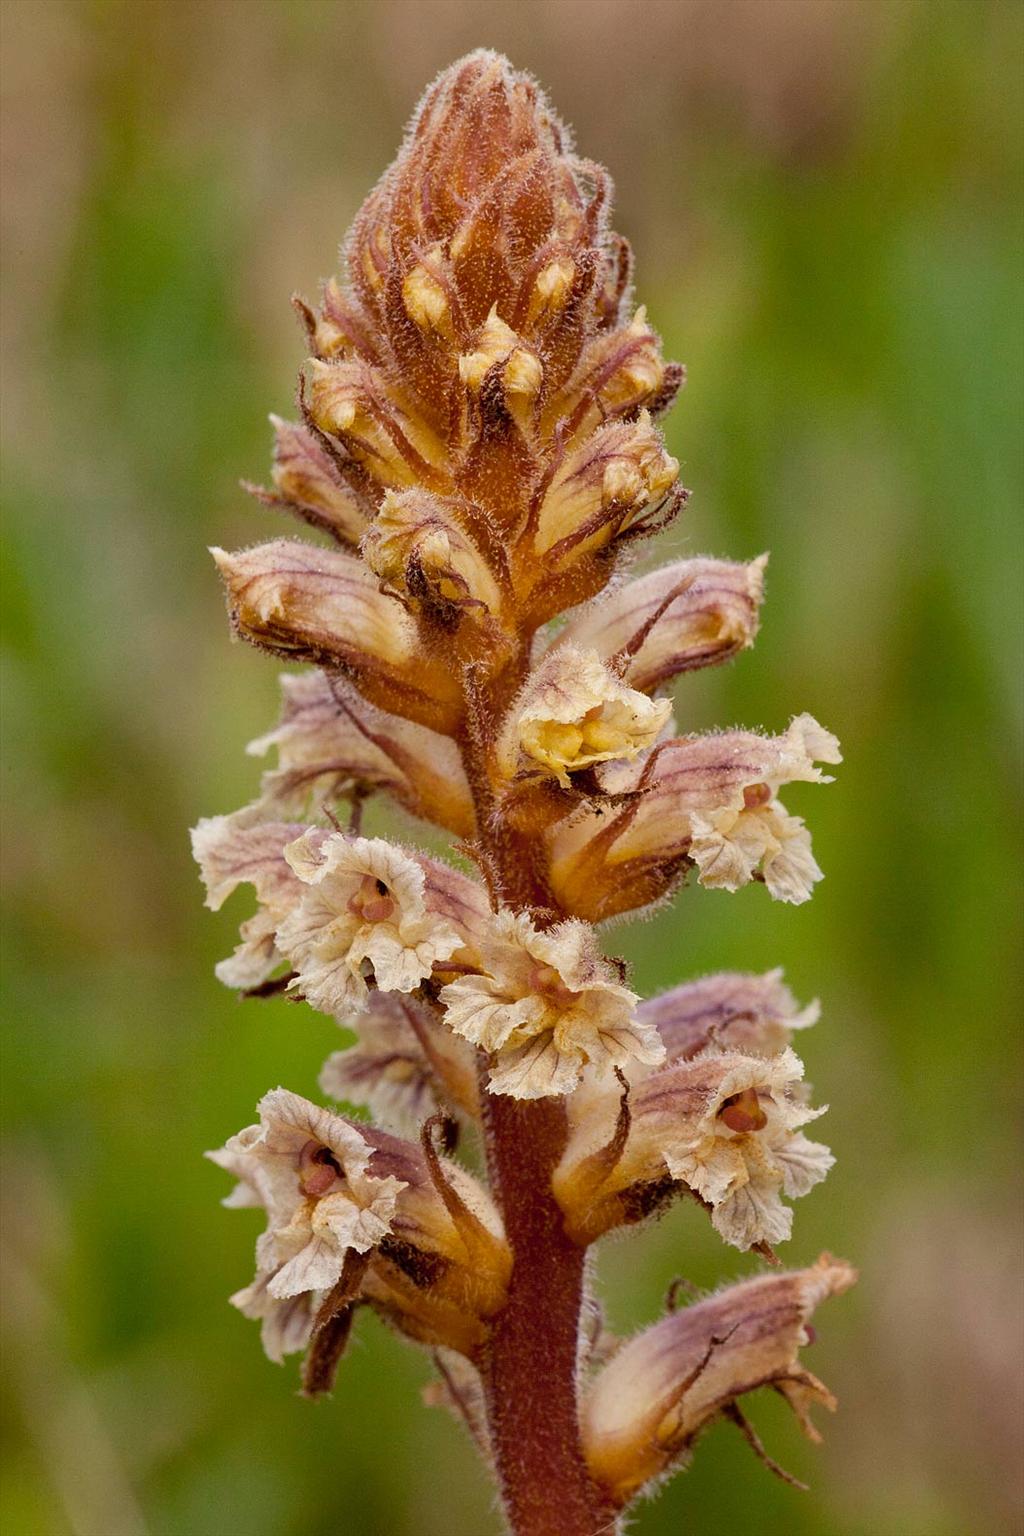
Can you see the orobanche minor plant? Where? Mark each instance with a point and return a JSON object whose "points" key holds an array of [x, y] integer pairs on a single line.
{"points": [[478, 448]]}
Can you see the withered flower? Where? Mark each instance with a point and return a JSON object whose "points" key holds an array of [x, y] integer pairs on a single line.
{"points": [[645, 1409], [478, 452]]}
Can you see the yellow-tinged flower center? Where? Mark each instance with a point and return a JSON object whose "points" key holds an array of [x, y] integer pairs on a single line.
{"points": [[372, 901], [606, 730]]}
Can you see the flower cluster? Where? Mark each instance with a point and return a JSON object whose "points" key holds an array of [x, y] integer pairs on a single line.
{"points": [[478, 451]]}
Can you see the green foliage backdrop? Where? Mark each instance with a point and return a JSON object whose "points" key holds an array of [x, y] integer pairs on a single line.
{"points": [[825, 200]]}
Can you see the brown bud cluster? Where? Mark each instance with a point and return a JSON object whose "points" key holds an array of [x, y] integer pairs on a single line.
{"points": [[477, 409]]}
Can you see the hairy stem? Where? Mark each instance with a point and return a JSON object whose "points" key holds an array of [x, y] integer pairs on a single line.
{"points": [[530, 1363]]}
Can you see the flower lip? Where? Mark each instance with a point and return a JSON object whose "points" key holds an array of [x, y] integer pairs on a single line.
{"points": [[743, 1111], [319, 1169]]}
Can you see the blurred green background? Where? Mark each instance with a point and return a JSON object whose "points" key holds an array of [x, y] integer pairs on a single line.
{"points": [[825, 201]]}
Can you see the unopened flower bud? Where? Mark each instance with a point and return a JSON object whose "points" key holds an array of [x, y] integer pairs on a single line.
{"points": [[417, 544], [617, 478], [330, 337], [499, 348], [426, 299], [622, 372], [393, 442], [323, 605], [692, 613], [551, 288]]}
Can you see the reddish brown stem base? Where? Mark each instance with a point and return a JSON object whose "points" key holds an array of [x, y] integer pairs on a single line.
{"points": [[530, 1365]]}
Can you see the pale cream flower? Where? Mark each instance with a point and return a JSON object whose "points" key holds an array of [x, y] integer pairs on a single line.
{"points": [[308, 1168], [725, 1124], [710, 799], [744, 1150], [238, 850], [363, 910], [547, 1003], [729, 846], [349, 1203], [286, 1322], [573, 713]]}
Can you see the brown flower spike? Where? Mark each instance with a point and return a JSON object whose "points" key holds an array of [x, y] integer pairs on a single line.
{"points": [[479, 452]]}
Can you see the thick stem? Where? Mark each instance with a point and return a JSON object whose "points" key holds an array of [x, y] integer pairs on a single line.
{"points": [[529, 1367], [530, 1364]]}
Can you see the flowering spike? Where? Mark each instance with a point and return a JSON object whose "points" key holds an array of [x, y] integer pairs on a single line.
{"points": [[478, 449]]}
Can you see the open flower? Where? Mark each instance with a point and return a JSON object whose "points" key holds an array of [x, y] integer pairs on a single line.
{"points": [[546, 1004], [726, 1125], [356, 1214], [711, 800], [363, 913], [309, 1169], [743, 1149], [574, 713]]}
